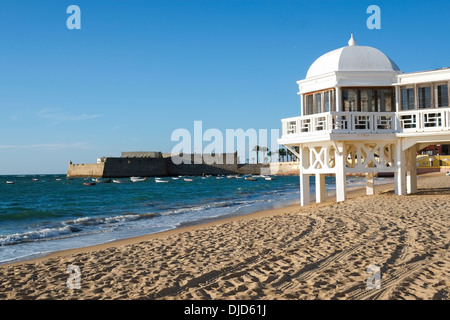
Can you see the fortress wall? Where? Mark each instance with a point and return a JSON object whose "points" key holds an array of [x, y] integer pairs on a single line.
{"points": [[196, 164], [199, 169], [284, 168], [254, 168], [118, 167], [129, 167], [214, 169], [86, 170]]}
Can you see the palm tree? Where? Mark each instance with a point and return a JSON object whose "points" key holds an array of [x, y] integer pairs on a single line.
{"points": [[264, 149], [257, 148], [269, 154], [291, 154], [282, 153]]}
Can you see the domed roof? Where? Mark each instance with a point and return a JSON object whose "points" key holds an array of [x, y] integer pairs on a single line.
{"points": [[352, 58]]}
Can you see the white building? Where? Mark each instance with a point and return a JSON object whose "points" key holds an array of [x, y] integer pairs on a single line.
{"points": [[361, 114]]}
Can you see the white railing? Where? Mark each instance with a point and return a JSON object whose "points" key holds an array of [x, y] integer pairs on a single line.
{"points": [[425, 120]]}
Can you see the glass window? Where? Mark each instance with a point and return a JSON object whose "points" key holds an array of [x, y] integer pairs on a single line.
{"points": [[407, 102], [318, 102], [424, 97], [309, 104], [384, 100], [442, 95], [326, 101], [368, 102], [349, 97]]}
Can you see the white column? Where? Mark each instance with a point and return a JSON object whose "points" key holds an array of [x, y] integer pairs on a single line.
{"points": [[370, 186], [320, 187], [338, 99], [411, 175], [305, 198], [397, 98], [400, 173], [304, 179], [341, 182]]}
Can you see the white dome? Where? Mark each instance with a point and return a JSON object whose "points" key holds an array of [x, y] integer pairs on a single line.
{"points": [[352, 58]]}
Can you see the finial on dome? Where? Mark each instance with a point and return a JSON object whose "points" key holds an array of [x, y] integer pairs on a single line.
{"points": [[352, 41]]}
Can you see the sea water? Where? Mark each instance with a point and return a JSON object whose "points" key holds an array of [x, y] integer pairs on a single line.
{"points": [[48, 213]]}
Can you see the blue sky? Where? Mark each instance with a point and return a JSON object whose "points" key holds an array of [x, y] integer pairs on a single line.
{"points": [[138, 70]]}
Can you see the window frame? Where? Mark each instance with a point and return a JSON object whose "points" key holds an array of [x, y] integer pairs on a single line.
{"points": [[375, 90]]}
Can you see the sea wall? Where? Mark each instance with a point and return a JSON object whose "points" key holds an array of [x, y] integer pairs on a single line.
{"points": [[129, 167], [284, 168], [214, 165], [94, 170], [111, 167]]}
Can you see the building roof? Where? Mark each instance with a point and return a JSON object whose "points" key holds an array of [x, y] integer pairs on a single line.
{"points": [[352, 58]]}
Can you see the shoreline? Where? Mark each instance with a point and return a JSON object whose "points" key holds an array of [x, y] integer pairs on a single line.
{"points": [[352, 192], [317, 252]]}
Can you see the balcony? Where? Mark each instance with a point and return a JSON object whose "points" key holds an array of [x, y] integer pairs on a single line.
{"points": [[319, 126]]}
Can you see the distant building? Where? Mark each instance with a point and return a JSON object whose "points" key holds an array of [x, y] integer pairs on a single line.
{"points": [[361, 115], [141, 154]]}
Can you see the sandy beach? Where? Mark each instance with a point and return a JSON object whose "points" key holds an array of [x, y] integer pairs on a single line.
{"points": [[321, 251]]}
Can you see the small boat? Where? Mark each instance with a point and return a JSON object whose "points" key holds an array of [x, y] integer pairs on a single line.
{"points": [[9, 182], [175, 178], [187, 179], [35, 179], [99, 180], [250, 179], [158, 180], [89, 183], [137, 179], [117, 181]]}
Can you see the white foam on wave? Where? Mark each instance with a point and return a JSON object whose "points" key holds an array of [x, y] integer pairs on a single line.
{"points": [[34, 235]]}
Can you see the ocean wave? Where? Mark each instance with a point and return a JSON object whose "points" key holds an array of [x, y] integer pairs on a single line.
{"points": [[117, 221], [70, 228], [36, 235]]}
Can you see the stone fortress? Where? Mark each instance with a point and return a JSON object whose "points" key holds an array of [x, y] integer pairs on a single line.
{"points": [[156, 164]]}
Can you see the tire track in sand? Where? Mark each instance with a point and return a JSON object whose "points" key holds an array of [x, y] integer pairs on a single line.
{"points": [[230, 271], [310, 270], [395, 278]]}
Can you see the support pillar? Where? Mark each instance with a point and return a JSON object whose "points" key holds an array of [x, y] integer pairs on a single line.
{"points": [[338, 99], [320, 187], [400, 173], [370, 185], [304, 178], [341, 181], [305, 198], [411, 174]]}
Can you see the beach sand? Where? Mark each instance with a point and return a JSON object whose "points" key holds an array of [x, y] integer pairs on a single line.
{"points": [[321, 251]]}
